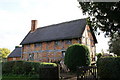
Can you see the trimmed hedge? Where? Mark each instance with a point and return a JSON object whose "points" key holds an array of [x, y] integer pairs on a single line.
{"points": [[109, 68], [19, 77], [77, 55], [25, 68]]}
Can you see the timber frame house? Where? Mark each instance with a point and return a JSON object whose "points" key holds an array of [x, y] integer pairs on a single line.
{"points": [[49, 43]]}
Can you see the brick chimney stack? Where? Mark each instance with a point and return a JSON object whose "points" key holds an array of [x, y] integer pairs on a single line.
{"points": [[33, 25]]}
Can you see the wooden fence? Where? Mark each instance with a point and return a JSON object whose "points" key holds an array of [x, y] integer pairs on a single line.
{"points": [[87, 73]]}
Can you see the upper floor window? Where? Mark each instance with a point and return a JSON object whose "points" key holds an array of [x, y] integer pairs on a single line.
{"points": [[79, 40], [88, 30], [28, 46], [68, 42], [38, 45], [86, 41], [48, 43], [57, 43]]}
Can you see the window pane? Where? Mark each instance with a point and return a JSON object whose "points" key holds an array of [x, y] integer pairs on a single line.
{"points": [[31, 56], [57, 43], [68, 42], [38, 45]]}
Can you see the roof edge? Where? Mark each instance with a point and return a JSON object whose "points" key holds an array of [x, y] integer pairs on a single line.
{"points": [[52, 25]]}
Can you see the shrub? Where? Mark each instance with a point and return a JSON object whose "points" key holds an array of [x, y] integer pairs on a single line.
{"points": [[109, 68], [24, 67], [99, 55], [19, 77], [48, 64], [77, 55]]}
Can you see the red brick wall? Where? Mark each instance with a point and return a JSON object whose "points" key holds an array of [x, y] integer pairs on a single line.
{"points": [[44, 45], [9, 59], [59, 44], [51, 45], [15, 58], [74, 41], [47, 56]]}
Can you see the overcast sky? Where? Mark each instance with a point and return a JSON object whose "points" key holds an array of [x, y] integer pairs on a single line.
{"points": [[16, 16]]}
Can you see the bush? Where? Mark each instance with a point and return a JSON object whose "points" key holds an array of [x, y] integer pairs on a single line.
{"points": [[19, 77], [24, 68], [77, 55], [99, 55], [109, 68]]}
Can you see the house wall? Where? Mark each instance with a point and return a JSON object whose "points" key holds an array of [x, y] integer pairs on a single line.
{"points": [[87, 39], [12, 59], [47, 51], [54, 50]]}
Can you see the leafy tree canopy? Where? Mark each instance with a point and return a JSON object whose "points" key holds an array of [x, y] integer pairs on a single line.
{"points": [[114, 44], [4, 52], [103, 15]]}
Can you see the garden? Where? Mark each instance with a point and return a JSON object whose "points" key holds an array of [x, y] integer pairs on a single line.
{"points": [[23, 70], [77, 56]]}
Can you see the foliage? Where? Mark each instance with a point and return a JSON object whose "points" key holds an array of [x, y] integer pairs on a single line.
{"points": [[114, 45], [109, 68], [103, 16], [48, 64], [4, 52], [77, 55], [24, 67], [19, 77], [99, 55]]}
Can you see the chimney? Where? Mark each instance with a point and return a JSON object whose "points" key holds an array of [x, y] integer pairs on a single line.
{"points": [[33, 25]]}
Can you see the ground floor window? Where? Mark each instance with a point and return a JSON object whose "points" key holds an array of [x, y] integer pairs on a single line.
{"points": [[63, 54], [31, 56], [14, 58]]}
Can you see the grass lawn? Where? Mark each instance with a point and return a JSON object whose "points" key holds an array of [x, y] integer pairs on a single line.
{"points": [[20, 77]]}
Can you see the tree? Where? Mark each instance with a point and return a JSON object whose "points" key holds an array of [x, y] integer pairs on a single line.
{"points": [[114, 45], [103, 15], [77, 55], [4, 52], [99, 55]]}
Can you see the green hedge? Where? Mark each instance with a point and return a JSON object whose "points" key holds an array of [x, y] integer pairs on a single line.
{"points": [[19, 77], [109, 68], [99, 55], [25, 68], [77, 55]]}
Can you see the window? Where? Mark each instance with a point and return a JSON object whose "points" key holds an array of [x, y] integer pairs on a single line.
{"points": [[31, 56], [38, 45], [68, 42], [79, 40], [14, 58], [88, 31], [57, 43], [63, 54], [48, 45], [86, 41], [28, 46]]}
